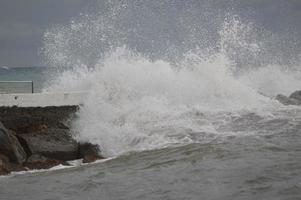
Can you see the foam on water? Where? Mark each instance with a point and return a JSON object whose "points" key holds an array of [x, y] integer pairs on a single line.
{"points": [[137, 104], [139, 101]]}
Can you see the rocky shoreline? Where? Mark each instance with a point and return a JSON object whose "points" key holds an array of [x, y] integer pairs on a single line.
{"points": [[293, 99], [40, 138]]}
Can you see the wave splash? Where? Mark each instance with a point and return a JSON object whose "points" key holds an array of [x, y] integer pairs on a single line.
{"points": [[137, 101], [136, 104]]}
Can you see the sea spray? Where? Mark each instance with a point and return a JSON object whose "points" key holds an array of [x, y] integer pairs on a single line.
{"points": [[150, 86], [138, 104], [272, 80]]}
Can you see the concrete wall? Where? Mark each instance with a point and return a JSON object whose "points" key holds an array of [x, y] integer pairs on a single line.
{"points": [[16, 87], [42, 99]]}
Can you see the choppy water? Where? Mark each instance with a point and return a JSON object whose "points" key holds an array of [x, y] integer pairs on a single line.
{"points": [[181, 96], [259, 158]]}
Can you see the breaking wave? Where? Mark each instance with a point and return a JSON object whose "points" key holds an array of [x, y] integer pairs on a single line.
{"points": [[154, 81]]}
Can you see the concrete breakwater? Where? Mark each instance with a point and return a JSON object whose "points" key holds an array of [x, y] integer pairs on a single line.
{"points": [[42, 99], [40, 138]]}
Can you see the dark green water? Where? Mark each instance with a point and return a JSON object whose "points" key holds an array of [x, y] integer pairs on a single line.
{"points": [[253, 157]]}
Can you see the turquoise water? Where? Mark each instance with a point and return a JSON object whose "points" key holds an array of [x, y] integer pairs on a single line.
{"points": [[36, 74]]}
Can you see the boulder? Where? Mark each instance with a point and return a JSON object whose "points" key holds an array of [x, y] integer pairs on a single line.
{"points": [[42, 135], [3, 164], [6, 167], [296, 96], [13, 167], [89, 152], [10, 146], [36, 161], [27, 120], [287, 100], [52, 143]]}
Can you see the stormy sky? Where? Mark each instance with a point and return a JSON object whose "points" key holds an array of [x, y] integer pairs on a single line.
{"points": [[23, 23]]}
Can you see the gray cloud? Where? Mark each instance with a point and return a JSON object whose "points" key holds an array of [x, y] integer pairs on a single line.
{"points": [[23, 22], [19, 30]]}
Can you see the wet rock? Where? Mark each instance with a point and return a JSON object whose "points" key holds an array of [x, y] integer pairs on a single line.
{"points": [[287, 100], [28, 120], [10, 146], [13, 167], [296, 96], [3, 159], [42, 135], [3, 164], [89, 152], [293, 99], [52, 143], [6, 167], [36, 161]]}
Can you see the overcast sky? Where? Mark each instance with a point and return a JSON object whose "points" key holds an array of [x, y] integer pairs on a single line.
{"points": [[23, 23]]}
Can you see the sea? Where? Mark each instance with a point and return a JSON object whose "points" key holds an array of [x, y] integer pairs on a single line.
{"points": [[36, 74], [181, 101]]}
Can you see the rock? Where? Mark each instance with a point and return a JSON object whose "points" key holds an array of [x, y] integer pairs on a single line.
{"points": [[293, 99], [286, 100], [13, 167], [27, 120], [52, 143], [3, 159], [3, 164], [296, 95], [42, 135], [89, 152], [10, 146], [36, 161], [6, 167]]}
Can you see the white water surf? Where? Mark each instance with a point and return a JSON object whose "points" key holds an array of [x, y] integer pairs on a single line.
{"points": [[138, 101]]}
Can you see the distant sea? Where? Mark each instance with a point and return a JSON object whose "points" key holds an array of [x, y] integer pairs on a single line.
{"points": [[36, 74]]}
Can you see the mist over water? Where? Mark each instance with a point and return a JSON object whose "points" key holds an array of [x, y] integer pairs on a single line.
{"points": [[164, 73]]}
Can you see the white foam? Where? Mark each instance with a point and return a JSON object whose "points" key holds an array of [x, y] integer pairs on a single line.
{"points": [[135, 103], [72, 164], [272, 80]]}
